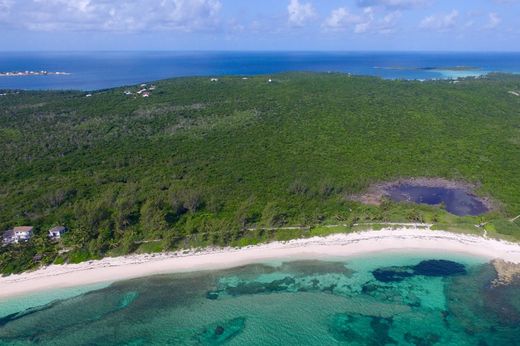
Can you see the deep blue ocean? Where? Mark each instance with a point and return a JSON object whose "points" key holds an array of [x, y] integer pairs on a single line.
{"points": [[99, 70]]}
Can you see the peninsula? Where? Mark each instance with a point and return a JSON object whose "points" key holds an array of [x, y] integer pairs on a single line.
{"points": [[32, 73], [431, 68]]}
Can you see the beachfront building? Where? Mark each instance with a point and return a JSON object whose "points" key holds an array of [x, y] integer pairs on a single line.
{"points": [[57, 232], [23, 233], [17, 234]]}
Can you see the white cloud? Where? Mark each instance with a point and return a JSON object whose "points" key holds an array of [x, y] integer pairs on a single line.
{"points": [[5, 6], [342, 19], [441, 22], [191, 14], [300, 13], [393, 4], [389, 22], [113, 15], [494, 20], [367, 21], [82, 6]]}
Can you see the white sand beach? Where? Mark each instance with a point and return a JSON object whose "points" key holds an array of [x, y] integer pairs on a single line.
{"points": [[340, 245]]}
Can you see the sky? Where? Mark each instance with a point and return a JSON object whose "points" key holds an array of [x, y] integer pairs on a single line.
{"points": [[308, 25]]}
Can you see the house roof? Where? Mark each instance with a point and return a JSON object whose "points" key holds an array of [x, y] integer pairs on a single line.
{"points": [[58, 229], [23, 229]]}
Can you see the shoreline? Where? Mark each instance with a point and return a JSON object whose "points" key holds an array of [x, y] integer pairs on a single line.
{"points": [[111, 269]]}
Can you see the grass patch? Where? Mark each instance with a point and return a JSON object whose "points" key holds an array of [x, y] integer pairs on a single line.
{"points": [[151, 247]]}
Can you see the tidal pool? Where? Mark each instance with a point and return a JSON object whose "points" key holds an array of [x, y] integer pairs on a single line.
{"points": [[457, 201]]}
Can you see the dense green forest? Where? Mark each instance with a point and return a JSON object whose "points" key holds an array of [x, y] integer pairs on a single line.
{"points": [[203, 162]]}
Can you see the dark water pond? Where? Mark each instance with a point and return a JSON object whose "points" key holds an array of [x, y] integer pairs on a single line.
{"points": [[456, 201]]}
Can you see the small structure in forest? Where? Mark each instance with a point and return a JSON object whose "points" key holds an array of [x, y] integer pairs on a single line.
{"points": [[56, 232]]}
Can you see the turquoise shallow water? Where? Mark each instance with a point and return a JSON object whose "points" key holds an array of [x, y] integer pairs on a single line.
{"points": [[390, 299]]}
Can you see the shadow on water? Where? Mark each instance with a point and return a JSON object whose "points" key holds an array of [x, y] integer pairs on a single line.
{"points": [[352, 328], [426, 268], [432, 302], [299, 276], [483, 310], [51, 318], [98, 314], [456, 201], [220, 333]]}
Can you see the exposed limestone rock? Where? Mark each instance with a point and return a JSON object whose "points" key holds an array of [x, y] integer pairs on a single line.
{"points": [[506, 272]]}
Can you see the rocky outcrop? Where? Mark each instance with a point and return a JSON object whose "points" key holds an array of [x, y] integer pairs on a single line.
{"points": [[506, 272]]}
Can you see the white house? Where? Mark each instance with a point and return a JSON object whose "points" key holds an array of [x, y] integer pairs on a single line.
{"points": [[17, 234], [23, 233], [57, 232], [214, 79]]}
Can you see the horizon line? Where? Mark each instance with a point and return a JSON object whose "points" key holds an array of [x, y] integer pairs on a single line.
{"points": [[258, 51]]}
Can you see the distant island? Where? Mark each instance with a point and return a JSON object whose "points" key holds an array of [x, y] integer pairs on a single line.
{"points": [[31, 73], [431, 68], [451, 68]]}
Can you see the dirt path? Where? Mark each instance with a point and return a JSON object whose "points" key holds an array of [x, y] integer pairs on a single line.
{"points": [[302, 228]]}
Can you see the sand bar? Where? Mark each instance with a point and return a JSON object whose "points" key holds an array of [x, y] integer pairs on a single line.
{"points": [[341, 245]]}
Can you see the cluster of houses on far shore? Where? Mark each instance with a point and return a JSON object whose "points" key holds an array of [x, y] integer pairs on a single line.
{"points": [[24, 233], [145, 91], [243, 78]]}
